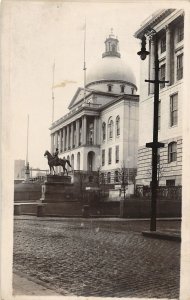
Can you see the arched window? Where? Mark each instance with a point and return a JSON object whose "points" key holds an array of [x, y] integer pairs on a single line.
{"points": [[122, 88], [118, 126], [172, 152], [110, 87], [109, 177], [104, 131], [110, 128]]}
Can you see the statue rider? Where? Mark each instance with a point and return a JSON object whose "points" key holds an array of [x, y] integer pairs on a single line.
{"points": [[55, 155]]}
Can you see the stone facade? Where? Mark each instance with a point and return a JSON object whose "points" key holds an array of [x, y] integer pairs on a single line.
{"points": [[168, 25]]}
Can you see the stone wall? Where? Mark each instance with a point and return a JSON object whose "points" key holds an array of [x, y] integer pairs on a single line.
{"points": [[27, 192], [172, 170]]}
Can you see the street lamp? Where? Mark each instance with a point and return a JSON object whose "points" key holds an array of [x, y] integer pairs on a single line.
{"points": [[155, 144], [143, 53]]}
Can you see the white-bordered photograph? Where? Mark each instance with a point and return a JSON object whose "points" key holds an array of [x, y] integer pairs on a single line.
{"points": [[94, 136]]}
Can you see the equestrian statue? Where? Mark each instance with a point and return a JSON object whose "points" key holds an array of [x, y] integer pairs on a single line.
{"points": [[54, 160]]}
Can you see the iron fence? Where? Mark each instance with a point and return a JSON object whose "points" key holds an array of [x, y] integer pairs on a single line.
{"points": [[164, 192]]}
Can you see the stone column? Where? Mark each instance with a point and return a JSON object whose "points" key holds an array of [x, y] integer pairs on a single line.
{"points": [[168, 50], [56, 139], [67, 143], [60, 140], [84, 130], [95, 130], [63, 143], [72, 135], [152, 59], [52, 143], [77, 133]]}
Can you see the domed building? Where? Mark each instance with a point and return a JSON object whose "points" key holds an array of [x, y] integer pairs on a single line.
{"points": [[111, 73], [101, 129]]}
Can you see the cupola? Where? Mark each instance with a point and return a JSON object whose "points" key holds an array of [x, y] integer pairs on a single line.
{"points": [[111, 46]]}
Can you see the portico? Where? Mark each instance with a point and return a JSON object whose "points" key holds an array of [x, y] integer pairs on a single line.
{"points": [[74, 134]]}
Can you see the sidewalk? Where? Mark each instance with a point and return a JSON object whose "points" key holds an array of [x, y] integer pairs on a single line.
{"points": [[24, 286], [117, 219], [170, 235]]}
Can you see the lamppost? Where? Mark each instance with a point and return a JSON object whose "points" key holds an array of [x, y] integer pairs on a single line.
{"points": [[155, 144]]}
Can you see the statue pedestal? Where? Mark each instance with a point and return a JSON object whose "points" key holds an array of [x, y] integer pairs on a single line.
{"points": [[58, 179], [59, 197], [57, 189]]}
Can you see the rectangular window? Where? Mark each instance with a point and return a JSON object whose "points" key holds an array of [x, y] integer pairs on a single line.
{"points": [[116, 176], [173, 109], [159, 114], [180, 33], [180, 66], [108, 177], [170, 182], [109, 156], [162, 75], [172, 152], [163, 44], [116, 154], [103, 157]]}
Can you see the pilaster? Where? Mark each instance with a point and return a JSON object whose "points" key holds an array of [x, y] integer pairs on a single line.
{"points": [[168, 50]]}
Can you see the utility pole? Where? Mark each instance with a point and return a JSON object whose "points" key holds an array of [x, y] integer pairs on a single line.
{"points": [[155, 144]]}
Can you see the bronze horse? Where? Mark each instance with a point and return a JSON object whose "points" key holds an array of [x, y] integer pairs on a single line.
{"points": [[52, 162]]}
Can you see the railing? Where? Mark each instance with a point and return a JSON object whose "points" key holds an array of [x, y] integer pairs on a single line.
{"points": [[164, 192], [37, 179]]}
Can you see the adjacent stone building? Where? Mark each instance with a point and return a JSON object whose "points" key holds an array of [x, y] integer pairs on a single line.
{"points": [[169, 27], [101, 129], [19, 169]]}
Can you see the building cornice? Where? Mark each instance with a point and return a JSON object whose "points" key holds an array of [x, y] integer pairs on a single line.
{"points": [[81, 106], [89, 109], [125, 97], [156, 19]]}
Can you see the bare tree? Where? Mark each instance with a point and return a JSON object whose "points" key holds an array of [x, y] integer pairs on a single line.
{"points": [[124, 178], [160, 170]]}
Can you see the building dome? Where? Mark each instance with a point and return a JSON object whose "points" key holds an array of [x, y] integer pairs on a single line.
{"points": [[111, 67]]}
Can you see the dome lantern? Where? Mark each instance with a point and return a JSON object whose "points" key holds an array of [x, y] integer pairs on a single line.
{"points": [[111, 46]]}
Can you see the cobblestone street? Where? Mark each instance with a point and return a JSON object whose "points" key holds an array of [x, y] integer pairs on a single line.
{"points": [[91, 257]]}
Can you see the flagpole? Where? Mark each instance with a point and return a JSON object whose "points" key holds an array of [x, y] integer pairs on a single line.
{"points": [[84, 68], [53, 92], [27, 140], [27, 169]]}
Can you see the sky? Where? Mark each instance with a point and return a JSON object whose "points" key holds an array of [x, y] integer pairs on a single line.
{"points": [[42, 33]]}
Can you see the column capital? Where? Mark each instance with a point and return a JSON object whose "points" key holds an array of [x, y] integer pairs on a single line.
{"points": [[167, 28]]}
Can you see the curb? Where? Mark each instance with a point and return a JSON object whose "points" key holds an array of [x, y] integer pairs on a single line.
{"points": [[27, 285], [163, 235]]}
